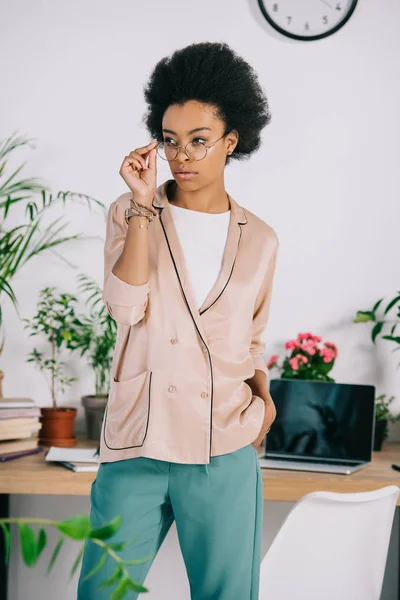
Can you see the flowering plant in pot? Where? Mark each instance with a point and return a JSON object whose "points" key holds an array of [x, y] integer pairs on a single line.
{"points": [[55, 320], [383, 416], [307, 357], [94, 336]]}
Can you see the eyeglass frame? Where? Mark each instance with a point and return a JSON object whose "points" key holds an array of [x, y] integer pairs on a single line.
{"points": [[185, 145]]}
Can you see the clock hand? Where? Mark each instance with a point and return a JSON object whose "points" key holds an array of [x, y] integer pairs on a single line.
{"points": [[327, 4]]}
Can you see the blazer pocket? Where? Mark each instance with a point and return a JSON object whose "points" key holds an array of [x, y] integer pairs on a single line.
{"points": [[127, 413]]}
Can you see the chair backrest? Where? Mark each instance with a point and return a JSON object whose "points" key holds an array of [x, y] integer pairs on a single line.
{"points": [[331, 546]]}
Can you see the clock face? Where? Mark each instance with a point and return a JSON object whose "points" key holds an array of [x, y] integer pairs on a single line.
{"points": [[307, 20]]}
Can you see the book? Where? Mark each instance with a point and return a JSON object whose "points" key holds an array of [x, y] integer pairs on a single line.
{"points": [[16, 433], [18, 445], [7, 424], [17, 403], [79, 467], [72, 455], [16, 413], [12, 455]]}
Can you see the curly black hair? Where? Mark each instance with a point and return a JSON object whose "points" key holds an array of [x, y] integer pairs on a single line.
{"points": [[211, 73]]}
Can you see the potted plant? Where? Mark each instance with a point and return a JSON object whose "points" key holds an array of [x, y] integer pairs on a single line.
{"points": [[383, 322], [307, 357], [21, 243], [382, 417], [55, 320], [94, 335]]}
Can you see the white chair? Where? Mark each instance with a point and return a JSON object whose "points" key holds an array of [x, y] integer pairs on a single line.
{"points": [[331, 546]]}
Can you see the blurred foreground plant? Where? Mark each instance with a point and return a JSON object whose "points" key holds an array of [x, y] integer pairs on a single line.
{"points": [[77, 528]]}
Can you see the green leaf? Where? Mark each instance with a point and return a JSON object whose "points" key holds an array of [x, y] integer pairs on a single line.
{"points": [[121, 589], [137, 587], [77, 561], [41, 543], [376, 330], [78, 527], [7, 541], [391, 338], [377, 305], [28, 544], [107, 530], [118, 546], [98, 566], [391, 304], [364, 316], [116, 576], [55, 553]]}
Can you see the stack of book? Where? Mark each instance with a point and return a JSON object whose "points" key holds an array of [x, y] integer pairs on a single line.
{"points": [[19, 428]]}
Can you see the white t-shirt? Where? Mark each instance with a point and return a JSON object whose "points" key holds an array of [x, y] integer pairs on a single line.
{"points": [[202, 237]]}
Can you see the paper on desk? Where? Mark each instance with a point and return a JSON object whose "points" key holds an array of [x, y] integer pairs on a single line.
{"points": [[72, 455]]}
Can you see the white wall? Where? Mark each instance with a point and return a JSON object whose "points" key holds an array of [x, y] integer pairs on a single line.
{"points": [[326, 177]]}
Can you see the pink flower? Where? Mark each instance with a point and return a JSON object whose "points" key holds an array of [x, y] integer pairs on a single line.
{"points": [[304, 336], [272, 361], [294, 363], [327, 354], [292, 345], [302, 358], [333, 347], [317, 338], [310, 348]]}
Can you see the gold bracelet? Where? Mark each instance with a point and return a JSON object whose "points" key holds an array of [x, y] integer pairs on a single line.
{"points": [[147, 209], [140, 225], [133, 211]]}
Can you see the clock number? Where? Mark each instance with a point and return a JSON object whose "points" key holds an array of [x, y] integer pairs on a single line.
{"points": [[289, 20], [325, 19], [275, 7], [338, 6]]}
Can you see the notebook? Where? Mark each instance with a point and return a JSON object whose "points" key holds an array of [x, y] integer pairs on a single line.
{"points": [[80, 460]]}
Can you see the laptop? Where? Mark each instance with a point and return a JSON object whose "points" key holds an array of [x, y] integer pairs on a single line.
{"points": [[324, 427]]}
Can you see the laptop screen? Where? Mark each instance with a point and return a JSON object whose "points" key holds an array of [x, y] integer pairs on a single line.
{"points": [[321, 420]]}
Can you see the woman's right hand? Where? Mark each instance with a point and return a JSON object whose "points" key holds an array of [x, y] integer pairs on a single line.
{"points": [[141, 178]]}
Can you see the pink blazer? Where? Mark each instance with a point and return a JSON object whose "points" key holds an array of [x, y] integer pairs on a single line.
{"points": [[178, 391]]}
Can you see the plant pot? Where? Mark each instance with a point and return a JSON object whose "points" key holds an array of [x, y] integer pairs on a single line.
{"points": [[380, 433], [57, 427], [94, 413]]}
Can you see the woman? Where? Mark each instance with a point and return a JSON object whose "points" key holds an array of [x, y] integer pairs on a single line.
{"points": [[188, 277]]}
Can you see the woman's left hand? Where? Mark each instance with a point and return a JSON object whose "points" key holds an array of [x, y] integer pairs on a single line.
{"points": [[269, 418]]}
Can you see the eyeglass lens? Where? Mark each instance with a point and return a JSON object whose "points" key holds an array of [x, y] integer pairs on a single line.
{"points": [[195, 151]]}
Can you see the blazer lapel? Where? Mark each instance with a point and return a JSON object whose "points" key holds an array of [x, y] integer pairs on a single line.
{"points": [[237, 219]]}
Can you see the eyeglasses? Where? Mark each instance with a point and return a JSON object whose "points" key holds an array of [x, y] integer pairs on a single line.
{"points": [[193, 150]]}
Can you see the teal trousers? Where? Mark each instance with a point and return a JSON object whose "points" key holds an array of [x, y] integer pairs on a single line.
{"points": [[218, 511]]}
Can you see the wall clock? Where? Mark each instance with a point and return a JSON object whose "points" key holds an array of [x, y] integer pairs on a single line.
{"points": [[307, 20]]}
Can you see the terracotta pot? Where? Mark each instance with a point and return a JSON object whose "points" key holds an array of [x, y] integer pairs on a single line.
{"points": [[57, 427]]}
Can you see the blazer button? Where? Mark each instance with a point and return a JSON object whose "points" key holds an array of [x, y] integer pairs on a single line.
{"points": [[174, 341], [172, 389], [204, 395]]}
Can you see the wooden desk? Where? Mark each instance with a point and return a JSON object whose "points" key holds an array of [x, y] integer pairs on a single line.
{"points": [[32, 475]]}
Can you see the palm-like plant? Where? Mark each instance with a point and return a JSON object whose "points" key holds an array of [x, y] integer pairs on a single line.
{"points": [[21, 243], [94, 335]]}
